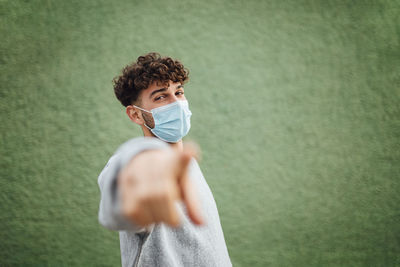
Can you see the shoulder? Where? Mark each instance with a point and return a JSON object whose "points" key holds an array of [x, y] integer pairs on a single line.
{"points": [[136, 145], [142, 142]]}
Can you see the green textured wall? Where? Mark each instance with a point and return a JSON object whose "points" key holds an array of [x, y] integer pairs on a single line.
{"points": [[296, 106]]}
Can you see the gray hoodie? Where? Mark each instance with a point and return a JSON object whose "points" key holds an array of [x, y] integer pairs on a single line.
{"points": [[159, 244]]}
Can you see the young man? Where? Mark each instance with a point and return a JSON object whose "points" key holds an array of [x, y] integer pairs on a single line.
{"points": [[152, 189]]}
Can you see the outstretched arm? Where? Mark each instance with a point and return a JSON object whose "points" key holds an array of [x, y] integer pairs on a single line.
{"points": [[141, 183]]}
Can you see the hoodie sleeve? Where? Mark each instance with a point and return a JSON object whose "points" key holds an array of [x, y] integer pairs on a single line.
{"points": [[110, 215]]}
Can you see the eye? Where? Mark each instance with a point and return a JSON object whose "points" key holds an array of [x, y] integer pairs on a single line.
{"points": [[179, 93], [159, 97]]}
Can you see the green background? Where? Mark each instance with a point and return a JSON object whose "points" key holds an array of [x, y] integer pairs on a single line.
{"points": [[296, 107]]}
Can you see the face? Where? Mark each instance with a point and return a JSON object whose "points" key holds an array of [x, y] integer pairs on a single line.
{"points": [[156, 95], [159, 95]]}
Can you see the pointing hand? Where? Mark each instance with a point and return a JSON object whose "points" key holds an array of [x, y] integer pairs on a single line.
{"points": [[151, 184]]}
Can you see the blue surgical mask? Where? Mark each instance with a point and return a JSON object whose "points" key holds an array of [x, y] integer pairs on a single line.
{"points": [[171, 122]]}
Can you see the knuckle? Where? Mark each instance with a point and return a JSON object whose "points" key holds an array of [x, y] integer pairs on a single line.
{"points": [[161, 196], [174, 222], [141, 221], [142, 197], [133, 212], [145, 199]]}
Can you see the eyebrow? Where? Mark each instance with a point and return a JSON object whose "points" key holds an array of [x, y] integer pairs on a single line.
{"points": [[164, 89], [157, 91]]}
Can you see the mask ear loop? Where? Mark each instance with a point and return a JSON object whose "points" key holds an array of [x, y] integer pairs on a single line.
{"points": [[147, 112], [142, 109]]}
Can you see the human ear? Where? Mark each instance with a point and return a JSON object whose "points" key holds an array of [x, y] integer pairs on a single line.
{"points": [[134, 115]]}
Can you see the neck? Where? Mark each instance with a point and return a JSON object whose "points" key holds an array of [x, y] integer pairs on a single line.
{"points": [[177, 146]]}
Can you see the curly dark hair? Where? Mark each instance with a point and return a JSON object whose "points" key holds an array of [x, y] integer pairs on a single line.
{"points": [[145, 71]]}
